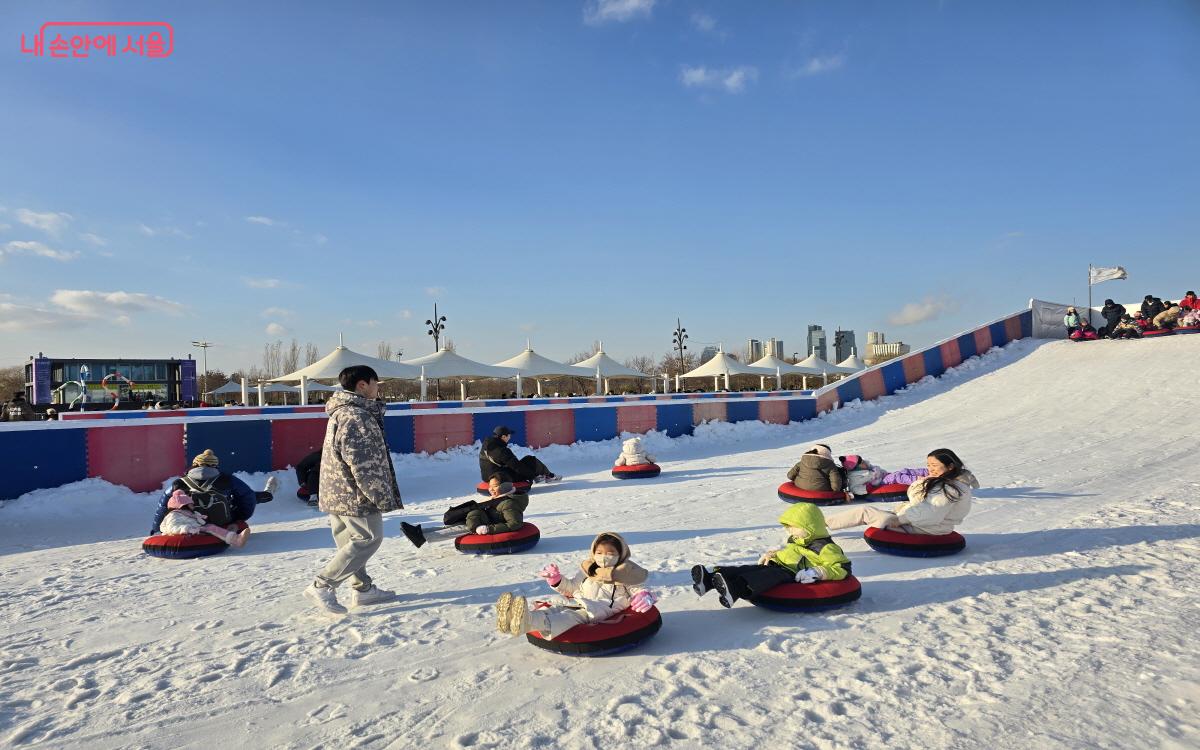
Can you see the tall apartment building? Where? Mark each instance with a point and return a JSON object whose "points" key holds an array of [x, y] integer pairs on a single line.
{"points": [[773, 347], [816, 340], [707, 353], [754, 350], [843, 344]]}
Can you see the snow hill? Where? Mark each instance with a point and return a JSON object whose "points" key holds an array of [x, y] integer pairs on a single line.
{"points": [[1069, 621]]}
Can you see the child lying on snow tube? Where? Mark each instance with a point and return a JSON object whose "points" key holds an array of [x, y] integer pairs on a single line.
{"points": [[862, 476], [182, 519], [1084, 332], [809, 556], [936, 503], [609, 583], [633, 454]]}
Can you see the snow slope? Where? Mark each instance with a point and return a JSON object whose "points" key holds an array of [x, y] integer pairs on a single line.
{"points": [[1068, 622]]}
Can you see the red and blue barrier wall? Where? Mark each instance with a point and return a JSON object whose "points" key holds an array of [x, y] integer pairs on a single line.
{"points": [[142, 449]]}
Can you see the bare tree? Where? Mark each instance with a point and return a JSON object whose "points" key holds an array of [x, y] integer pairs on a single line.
{"points": [[642, 364], [311, 354], [291, 358], [273, 359], [580, 356], [670, 364], [385, 350], [12, 379]]}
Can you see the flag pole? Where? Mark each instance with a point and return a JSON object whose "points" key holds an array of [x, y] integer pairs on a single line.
{"points": [[1089, 292]]}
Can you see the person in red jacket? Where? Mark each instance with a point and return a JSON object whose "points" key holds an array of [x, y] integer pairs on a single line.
{"points": [[1189, 302]]}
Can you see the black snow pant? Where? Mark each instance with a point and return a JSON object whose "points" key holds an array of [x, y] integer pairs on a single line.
{"points": [[527, 469], [747, 581], [308, 473]]}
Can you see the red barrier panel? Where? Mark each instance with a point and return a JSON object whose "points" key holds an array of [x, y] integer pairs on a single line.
{"points": [[951, 356], [1012, 328], [140, 456], [773, 412], [872, 385], [638, 419], [703, 411], [827, 401], [293, 439], [914, 367], [983, 339], [549, 427], [437, 432]]}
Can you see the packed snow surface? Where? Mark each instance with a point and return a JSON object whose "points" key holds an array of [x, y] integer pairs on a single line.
{"points": [[1069, 621]]}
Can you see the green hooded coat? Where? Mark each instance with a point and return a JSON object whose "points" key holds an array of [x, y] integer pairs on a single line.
{"points": [[800, 553]]}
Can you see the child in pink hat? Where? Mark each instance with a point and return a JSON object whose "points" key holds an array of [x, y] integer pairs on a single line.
{"points": [[182, 518]]}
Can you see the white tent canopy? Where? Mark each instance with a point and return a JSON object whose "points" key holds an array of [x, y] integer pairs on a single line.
{"points": [[770, 362], [530, 364], [277, 388], [227, 389], [818, 366], [448, 364], [609, 367], [723, 364], [313, 385], [852, 363], [332, 364]]}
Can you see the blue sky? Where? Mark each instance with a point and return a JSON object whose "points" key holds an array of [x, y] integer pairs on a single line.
{"points": [[567, 172]]}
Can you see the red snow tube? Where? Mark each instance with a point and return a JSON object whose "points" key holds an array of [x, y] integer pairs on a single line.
{"points": [[636, 471], [1188, 329], [1153, 332], [185, 546], [804, 597], [790, 493], [892, 542], [618, 633], [885, 492], [482, 487], [499, 544]]}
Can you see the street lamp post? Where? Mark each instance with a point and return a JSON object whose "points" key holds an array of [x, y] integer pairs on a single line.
{"points": [[680, 336], [203, 346], [436, 326]]}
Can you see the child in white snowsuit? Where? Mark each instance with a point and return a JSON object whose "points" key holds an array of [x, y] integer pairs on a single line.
{"points": [[861, 474], [633, 454], [182, 518], [608, 584]]}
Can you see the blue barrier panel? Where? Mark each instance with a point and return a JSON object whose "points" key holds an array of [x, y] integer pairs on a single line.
{"points": [[449, 404], [999, 334], [35, 459], [741, 411], [933, 362], [1027, 324], [966, 346], [599, 423], [485, 422], [674, 419], [538, 401], [800, 409], [240, 446], [495, 403], [893, 376], [849, 390], [398, 429]]}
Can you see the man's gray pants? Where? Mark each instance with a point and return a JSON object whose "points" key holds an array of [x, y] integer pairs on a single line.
{"points": [[357, 538]]}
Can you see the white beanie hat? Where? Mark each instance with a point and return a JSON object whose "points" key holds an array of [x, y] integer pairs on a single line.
{"points": [[822, 450]]}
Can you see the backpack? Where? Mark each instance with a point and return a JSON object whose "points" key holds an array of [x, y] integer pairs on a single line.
{"points": [[214, 501]]}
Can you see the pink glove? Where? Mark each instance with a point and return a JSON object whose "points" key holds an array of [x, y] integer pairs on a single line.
{"points": [[550, 574], [642, 601], [481, 530]]}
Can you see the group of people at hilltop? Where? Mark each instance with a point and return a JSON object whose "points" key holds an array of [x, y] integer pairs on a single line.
{"points": [[1154, 314]]}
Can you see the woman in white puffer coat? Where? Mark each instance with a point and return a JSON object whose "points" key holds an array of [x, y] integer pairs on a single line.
{"points": [[633, 454], [936, 503]]}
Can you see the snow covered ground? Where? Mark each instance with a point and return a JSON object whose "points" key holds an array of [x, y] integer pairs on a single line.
{"points": [[1069, 621]]}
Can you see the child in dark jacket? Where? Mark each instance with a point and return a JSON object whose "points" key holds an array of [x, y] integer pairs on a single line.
{"points": [[809, 556], [817, 472], [508, 514]]}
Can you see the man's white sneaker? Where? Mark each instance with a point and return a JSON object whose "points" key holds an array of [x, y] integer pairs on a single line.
{"points": [[373, 595], [325, 598]]}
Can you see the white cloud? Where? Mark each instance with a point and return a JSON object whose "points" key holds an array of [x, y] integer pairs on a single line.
{"points": [[262, 283], [405, 314], [50, 222], [815, 66], [703, 21], [95, 239], [5, 227], [266, 221], [320, 239], [17, 317], [596, 12], [435, 291], [150, 231], [277, 312], [23, 247], [274, 329], [920, 312], [93, 304], [730, 80], [369, 324]]}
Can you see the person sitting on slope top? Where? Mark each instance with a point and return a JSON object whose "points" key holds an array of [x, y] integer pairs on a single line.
{"points": [[1189, 319], [935, 505], [1127, 329], [182, 518], [504, 512], [1140, 321], [608, 583], [1151, 306], [1189, 301], [809, 556], [1084, 332], [1071, 320], [497, 459], [1169, 316], [817, 472], [222, 498], [633, 454], [1112, 313]]}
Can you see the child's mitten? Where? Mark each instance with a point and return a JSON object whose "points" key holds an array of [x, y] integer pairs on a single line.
{"points": [[481, 530], [642, 601], [809, 575], [550, 574]]}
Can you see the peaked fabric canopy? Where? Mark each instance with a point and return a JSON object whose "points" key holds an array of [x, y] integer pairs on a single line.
{"points": [[228, 388], [277, 388], [313, 385], [448, 364], [530, 364], [770, 362], [818, 366], [332, 364], [852, 363], [723, 364], [609, 367]]}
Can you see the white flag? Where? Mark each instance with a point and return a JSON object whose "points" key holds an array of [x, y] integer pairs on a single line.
{"points": [[1096, 275]]}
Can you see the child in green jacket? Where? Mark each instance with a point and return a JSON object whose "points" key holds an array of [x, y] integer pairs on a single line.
{"points": [[810, 556]]}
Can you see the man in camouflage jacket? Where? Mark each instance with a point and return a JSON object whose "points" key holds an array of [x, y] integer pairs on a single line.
{"points": [[357, 486]]}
